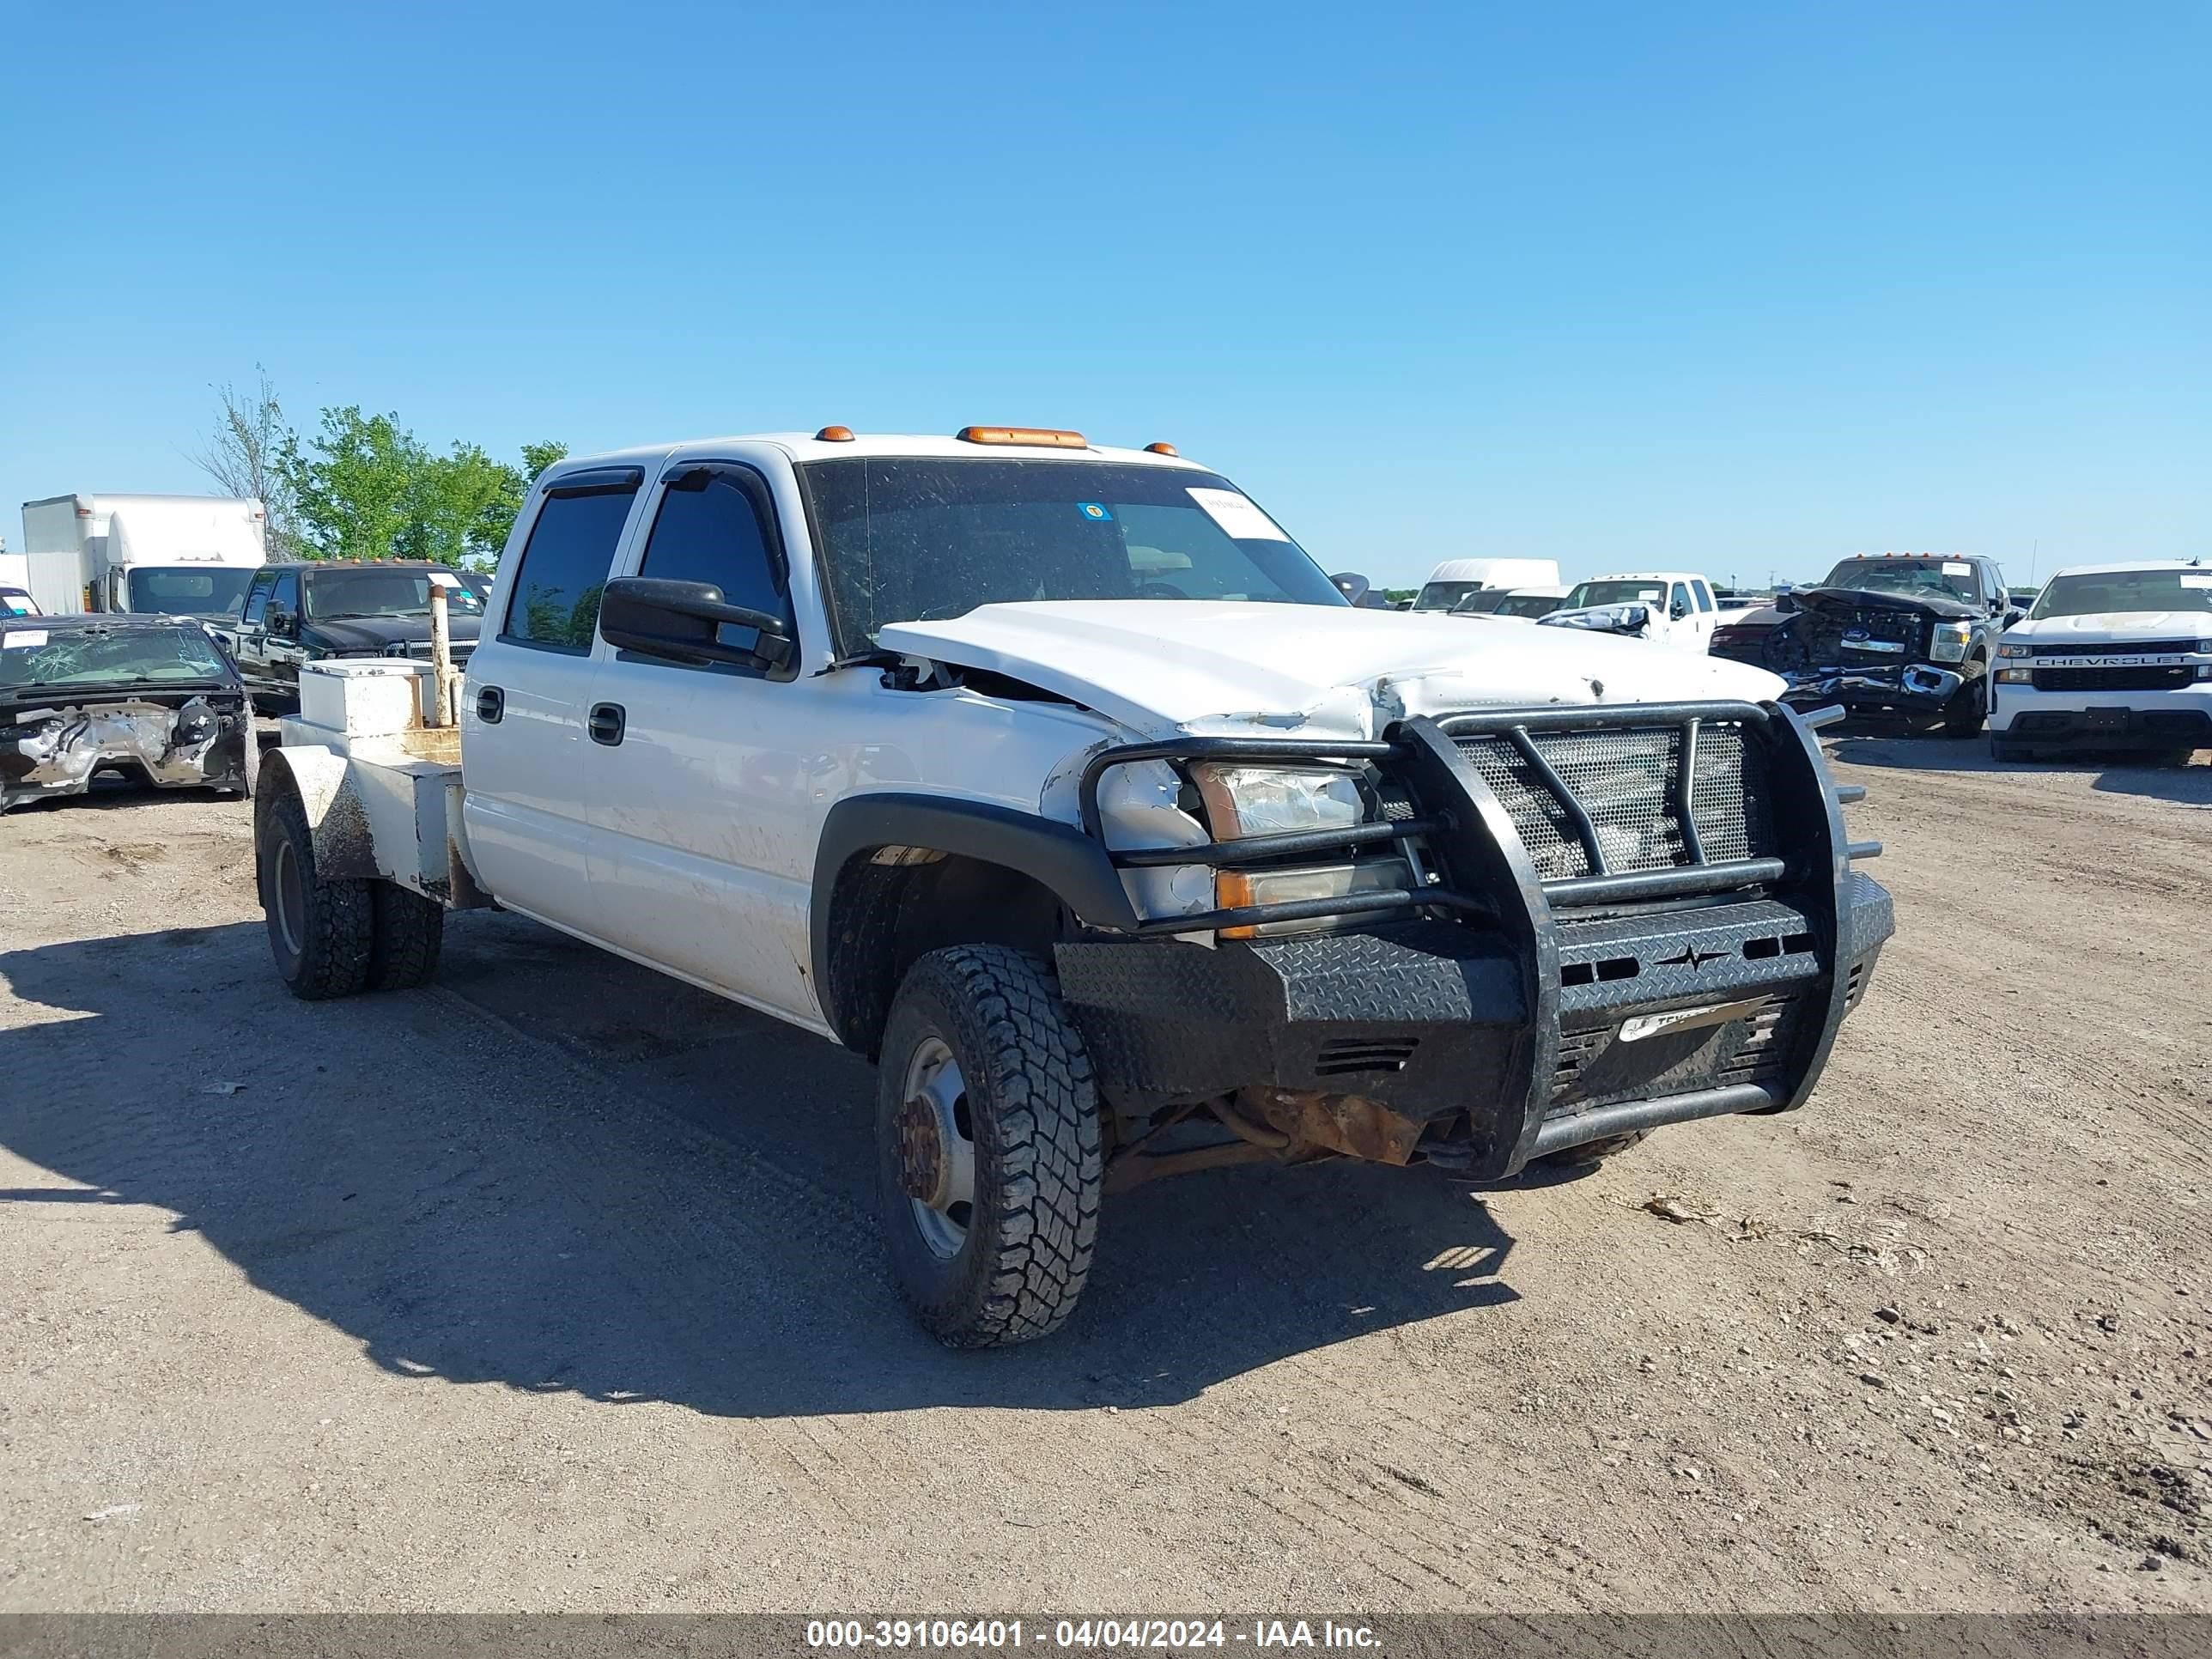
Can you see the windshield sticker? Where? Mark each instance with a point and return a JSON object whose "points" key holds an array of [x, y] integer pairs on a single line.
{"points": [[444, 579], [1952, 568], [23, 639], [2197, 581], [1094, 511], [1242, 521]]}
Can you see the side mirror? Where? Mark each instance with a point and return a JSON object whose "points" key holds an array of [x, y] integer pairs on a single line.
{"points": [[1352, 585], [684, 621], [281, 622], [2013, 615], [1787, 603], [1678, 610]]}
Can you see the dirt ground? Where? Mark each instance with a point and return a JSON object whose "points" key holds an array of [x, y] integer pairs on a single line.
{"points": [[554, 1286]]}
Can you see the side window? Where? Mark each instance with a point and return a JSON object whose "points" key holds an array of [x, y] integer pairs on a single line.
{"points": [[555, 603], [257, 597], [1681, 601], [285, 596], [1704, 595], [710, 528]]}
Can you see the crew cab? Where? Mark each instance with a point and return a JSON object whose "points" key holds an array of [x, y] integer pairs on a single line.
{"points": [[1666, 607], [1903, 636], [2112, 656], [1060, 782], [313, 610]]}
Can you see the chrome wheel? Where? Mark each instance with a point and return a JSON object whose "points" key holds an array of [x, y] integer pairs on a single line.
{"points": [[937, 1147]]}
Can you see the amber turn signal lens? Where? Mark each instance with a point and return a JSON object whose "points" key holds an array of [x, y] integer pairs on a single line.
{"points": [[834, 435], [1232, 890], [1038, 437], [1160, 449]]}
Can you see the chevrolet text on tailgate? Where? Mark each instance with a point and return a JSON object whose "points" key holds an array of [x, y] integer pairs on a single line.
{"points": [[1062, 783]]}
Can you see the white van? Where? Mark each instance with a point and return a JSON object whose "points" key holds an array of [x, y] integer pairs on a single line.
{"points": [[1454, 578]]}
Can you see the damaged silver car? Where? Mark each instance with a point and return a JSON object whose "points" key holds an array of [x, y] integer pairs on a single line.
{"points": [[152, 699]]}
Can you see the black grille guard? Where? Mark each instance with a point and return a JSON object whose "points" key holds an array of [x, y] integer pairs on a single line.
{"points": [[1482, 869], [1466, 831]]}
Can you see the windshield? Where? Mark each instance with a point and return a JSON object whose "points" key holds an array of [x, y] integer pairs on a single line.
{"points": [[2124, 591], [906, 540], [1615, 593], [187, 590], [1530, 604], [103, 656], [1480, 603], [395, 593], [1915, 579]]}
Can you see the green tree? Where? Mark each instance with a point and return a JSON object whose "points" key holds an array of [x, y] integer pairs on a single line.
{"points": [[355, 486], [364, 487]]}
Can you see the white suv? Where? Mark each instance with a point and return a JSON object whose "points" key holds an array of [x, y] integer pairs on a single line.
{"points": [[1666, 607], [2112, 656]]}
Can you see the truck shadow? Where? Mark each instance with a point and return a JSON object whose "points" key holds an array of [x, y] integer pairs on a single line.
{"points": [[2117, 774], [521, 1206]]}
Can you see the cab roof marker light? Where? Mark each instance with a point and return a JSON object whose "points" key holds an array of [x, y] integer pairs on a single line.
{"points": [[834, 435], [1036, 437], [1161, 449]]}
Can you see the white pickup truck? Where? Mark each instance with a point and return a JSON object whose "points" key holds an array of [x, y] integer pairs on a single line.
{"points": [[2112, 656], [1666, 607], [1061, 781]]}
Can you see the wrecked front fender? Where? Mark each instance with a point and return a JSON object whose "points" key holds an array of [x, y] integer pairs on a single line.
{"points": [[199, 741]]}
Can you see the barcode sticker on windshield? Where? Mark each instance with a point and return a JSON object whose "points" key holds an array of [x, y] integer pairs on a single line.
{"points": [[1238, 516], [26, 639], [1958, 569], [444, 579], [2197, 581]]}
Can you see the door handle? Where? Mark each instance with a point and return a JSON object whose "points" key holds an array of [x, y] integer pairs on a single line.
{"points": [[491, 704], [605, 724]]}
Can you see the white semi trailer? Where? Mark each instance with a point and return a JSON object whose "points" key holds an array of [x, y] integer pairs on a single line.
{"points": [[165, 555]]}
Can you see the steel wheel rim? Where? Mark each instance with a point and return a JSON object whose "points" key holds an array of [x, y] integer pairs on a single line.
{"points": [[287, 898], [935, 1085]]}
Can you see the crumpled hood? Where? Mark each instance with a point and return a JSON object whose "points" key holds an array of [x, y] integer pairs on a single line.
{"points": [[2113, 628], [1157, 665], [1857, 599], [374, 633]]}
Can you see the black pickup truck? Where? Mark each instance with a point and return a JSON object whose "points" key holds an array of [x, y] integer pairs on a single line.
{"points": [[311, 608], [1905, 636]]}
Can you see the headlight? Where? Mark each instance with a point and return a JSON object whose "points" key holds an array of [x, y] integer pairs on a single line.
{"points": [[1266, 800], [1951, 641], [1243, 801], [2015, 651]]}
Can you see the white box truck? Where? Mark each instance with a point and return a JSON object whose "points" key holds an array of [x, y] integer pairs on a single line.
{"points": [[190, 556]]}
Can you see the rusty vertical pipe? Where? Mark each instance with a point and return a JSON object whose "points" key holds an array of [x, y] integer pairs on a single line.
{"points": [[441, 654]]}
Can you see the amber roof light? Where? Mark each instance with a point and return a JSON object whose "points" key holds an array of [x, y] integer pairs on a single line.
{"points": [[1038, 437], [834, 435], [1161, 449]]}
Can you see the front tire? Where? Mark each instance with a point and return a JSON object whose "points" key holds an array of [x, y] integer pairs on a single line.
{"points": [[989, 1161], [320, 931], [1968, 710]]}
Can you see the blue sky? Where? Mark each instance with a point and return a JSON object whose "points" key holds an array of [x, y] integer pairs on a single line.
{"points": [[1741, 288]]}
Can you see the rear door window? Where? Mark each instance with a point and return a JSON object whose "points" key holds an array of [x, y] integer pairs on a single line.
{"points": [[555, 602], [1704, 595]]}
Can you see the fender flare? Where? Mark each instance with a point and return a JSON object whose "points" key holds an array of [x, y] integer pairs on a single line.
{"points": [[1060, 857], [320, 777]]}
